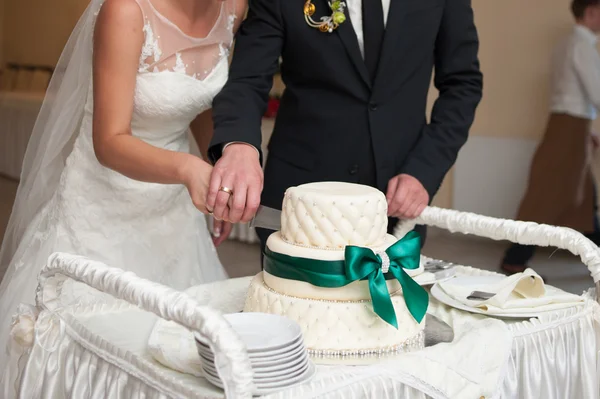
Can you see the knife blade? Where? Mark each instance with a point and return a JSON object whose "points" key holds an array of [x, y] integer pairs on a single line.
{"points": [[267, 218]]}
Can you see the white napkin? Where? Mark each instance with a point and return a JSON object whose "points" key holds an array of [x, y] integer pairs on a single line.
{"points": [[520, 293], [424, 278]]}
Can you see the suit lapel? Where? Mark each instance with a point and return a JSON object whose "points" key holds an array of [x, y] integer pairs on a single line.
{"points": [[392, 34], [348, 36]]}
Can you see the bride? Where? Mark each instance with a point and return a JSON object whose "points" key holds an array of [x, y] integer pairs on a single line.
{"points": [[107, 173]]}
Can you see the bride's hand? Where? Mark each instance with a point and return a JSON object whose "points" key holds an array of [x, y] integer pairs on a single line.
{"points": [[221, 231], [196, 177]]}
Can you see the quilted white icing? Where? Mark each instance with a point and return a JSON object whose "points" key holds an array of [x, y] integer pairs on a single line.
{"points": [[336, 326], [332, 215]]}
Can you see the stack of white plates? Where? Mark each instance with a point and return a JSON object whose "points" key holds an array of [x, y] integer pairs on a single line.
{"points": [[276, 349]]}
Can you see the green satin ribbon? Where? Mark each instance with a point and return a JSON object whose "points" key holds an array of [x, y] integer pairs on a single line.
{"points": [[361, 264]]}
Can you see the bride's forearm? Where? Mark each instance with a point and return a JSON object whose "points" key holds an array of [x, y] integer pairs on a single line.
{"points": [[141, 161], [118, 39]]}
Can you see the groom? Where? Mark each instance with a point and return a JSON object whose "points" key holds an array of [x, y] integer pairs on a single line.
{"points": [[354, 107]]}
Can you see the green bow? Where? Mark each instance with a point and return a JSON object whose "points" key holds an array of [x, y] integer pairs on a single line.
{"points": [[362, 263]]}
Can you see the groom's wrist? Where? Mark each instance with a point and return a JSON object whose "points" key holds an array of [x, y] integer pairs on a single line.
{"points": [[239, 142]]}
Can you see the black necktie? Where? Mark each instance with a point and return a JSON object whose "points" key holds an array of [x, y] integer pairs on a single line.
{"points": [[373, 30]]}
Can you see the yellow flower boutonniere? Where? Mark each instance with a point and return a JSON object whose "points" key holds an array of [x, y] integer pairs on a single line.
{"points": [[328, 23]]}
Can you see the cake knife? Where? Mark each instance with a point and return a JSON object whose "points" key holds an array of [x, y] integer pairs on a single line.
{"points": [[267, 218]]}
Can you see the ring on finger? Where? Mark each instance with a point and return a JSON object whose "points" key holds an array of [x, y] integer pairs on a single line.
{"points": [[226, 190]]}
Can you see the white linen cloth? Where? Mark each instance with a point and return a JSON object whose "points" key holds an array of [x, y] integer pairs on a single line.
{"points": [[99, 350], [576, 75], [520, 293]]}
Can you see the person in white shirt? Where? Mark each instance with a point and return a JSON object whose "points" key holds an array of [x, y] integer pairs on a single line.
{"points": [[561, 189]]}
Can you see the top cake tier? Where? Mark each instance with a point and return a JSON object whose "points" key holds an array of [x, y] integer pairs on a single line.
{"points": [[332, 215]]}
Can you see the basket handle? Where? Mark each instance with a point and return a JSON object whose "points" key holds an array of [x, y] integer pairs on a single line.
{"points": [[525, 233], [167, 303]]}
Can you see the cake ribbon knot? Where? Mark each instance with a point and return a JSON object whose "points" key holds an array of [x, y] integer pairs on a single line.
{"points": [[363, 264]]}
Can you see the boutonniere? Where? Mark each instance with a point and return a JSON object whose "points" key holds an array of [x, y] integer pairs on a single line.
{"points": [[329, 22]]}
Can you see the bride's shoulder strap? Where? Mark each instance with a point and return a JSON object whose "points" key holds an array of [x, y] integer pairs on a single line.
{"points": [[233, 12], [150, 48], [146, 8]]}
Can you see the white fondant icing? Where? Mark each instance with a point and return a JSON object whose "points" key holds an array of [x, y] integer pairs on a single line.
{"points": [[318, 221], [332, 215], [277, 243], [330, 325]]}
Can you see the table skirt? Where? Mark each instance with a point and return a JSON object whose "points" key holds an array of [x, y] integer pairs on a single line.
{"points": [[97, 350]]}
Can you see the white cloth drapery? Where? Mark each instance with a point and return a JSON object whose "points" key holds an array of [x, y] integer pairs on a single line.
{"points": [[99, 350]]}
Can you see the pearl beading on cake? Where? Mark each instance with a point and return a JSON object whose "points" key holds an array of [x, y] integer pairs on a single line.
{"points": [[414, 343]]}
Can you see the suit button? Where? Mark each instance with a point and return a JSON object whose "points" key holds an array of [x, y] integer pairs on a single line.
{"points": [[353, 169], [373, 106]]}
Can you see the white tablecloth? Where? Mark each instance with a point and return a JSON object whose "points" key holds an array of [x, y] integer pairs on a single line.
{"points": [[18, 112], [99, 350]]}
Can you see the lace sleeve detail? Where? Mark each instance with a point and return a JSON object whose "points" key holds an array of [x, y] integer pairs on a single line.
{"points": [[168, 48], [232, 16], [231, 21], [150, 49]]}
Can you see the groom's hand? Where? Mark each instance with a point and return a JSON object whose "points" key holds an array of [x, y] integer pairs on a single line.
{"points": [[406, 197], [239, 170]]}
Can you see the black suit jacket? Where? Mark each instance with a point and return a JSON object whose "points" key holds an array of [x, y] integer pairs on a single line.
{"points": [[333, 122]]}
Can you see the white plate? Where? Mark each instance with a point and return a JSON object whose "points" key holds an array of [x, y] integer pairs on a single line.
{"points": [[289, 363], [259, 391], [476, 282], [261, 357], [262, 332], [259, 362], [266, 373], [283, 378], [269, 379], [266, 367], [262, 381]]}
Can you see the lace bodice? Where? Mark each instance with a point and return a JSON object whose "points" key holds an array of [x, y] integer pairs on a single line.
{"points": [[168, 48], [178, 75]]}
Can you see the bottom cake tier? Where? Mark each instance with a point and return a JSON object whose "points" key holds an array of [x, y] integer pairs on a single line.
{"points": [[343, 328]]}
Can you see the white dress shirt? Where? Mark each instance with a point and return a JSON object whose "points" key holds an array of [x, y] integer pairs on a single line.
{"points": [[355, 12], [576, 75]]}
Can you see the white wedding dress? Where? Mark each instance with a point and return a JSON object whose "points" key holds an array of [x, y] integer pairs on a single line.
{"points": [[150, 229]]}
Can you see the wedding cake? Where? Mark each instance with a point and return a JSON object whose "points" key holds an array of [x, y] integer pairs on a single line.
{"points": [[334, 269]]}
